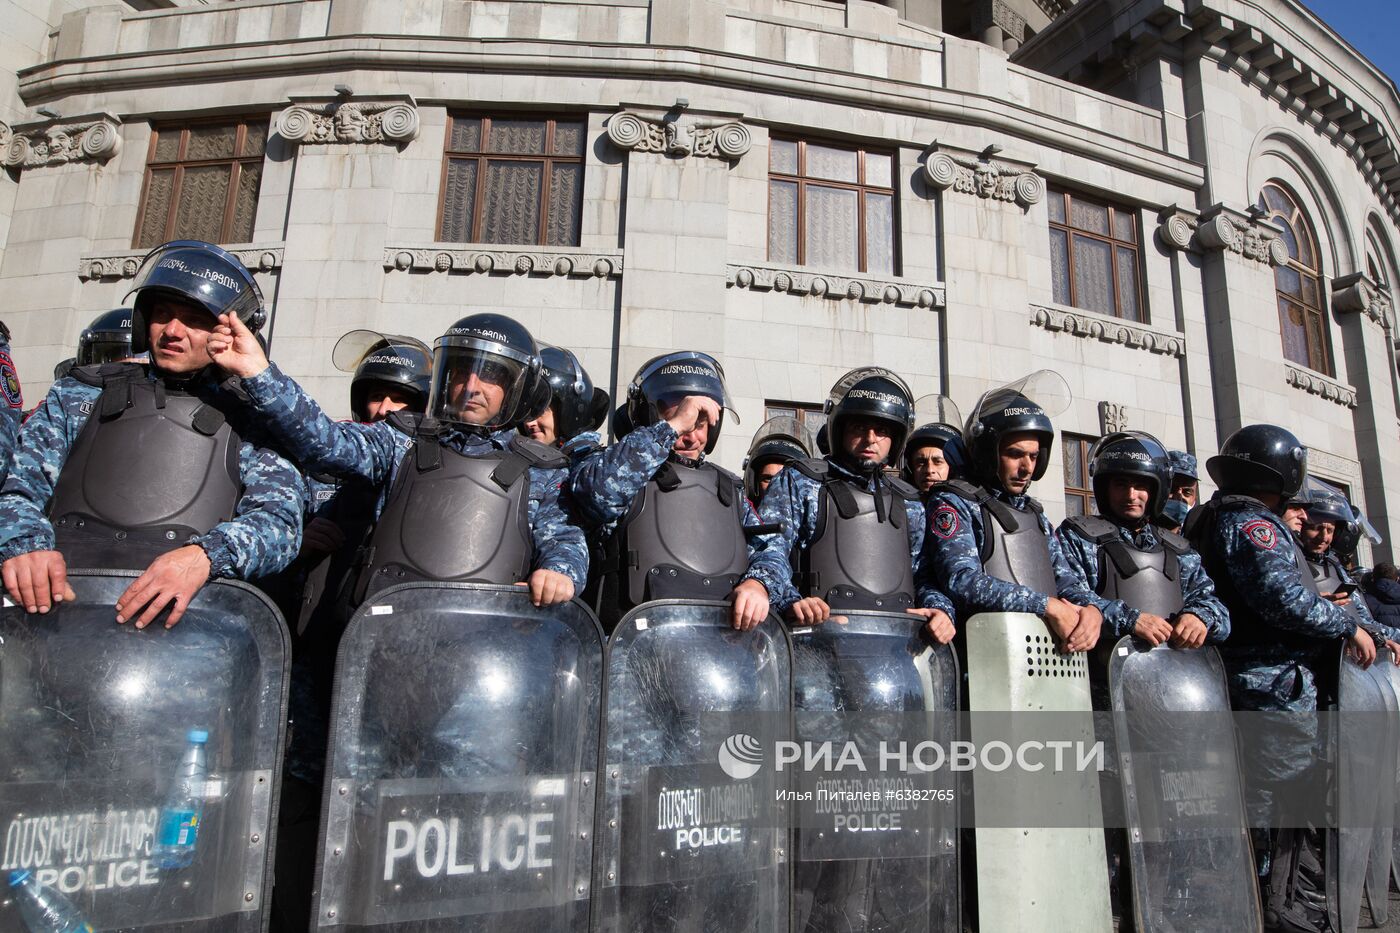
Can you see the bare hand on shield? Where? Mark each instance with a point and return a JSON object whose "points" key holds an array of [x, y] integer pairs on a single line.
{"points": [[812, 610], [234, 348], [939, 627], [1152, 629], [1060, 617], [750, 599], [1362, 648], [1394, 648], [1086, 630], [549, 587], [172, 580], [37, 580], [1188, 631], [689, 412]]}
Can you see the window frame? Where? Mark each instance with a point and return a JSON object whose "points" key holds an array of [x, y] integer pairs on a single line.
{"points": [[1084, 493], [179, 164], [860, 186], [547, 159], [1301, 219], [1114, 244], [803, 411]]}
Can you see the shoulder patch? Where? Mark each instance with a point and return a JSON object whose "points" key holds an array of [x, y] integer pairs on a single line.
{"points": [[9, 382], [1261, 533], [945, 521]]}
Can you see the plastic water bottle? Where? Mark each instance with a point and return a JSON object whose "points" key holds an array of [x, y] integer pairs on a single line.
{"points": [[178, 829], [45, 910]]}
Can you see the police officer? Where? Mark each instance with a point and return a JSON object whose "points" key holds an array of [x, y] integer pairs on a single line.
{"points": [[1283, 633], [858, 533], [777, 442], [1326, 511], [576, 406], [91, 484], [992, 548], [1186, 483], [11, 402], [925, 464], [667, 521], [465, 457]]}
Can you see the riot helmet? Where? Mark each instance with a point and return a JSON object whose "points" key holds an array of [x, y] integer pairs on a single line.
{"points": [[106, 340], [1021, 407], [198, 273], [1325, 503], [404, 363], [486, 373], [1260, 458], [780, 439], [939, 422], [870, 392], [1131, 453], [578, 404], [665, 380]]}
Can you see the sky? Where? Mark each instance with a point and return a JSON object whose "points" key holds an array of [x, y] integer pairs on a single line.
{"points": [[1370, 26]]}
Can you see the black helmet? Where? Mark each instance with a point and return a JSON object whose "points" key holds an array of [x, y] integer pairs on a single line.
{"points": [[1131, 453], [1325, 503], [498, 351], [669, 377], [107, 339], [939, 422], [1021, 407], [779, 439], [1260, 458], [870, 392], [201, 274], [403, 362], [579, 405]]}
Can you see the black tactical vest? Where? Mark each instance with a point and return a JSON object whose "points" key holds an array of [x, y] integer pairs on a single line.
{"points": [[1328, 574], [858, 557], [1146, 580], [1015, 547], [152, 468], [455, 518]]}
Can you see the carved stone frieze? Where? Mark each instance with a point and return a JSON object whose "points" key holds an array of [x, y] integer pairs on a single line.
{"points": [[92, 138], [1107, 329], [1176, 227], [727, 140], [1317, 384], [1112, 417], [1357, 292], [570, 262], [835, 286], [123, 265], [350, 121], [984, 178], [999, 13], [1222, 229]]}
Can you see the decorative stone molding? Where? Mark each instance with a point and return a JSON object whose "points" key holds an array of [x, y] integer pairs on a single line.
{"points": [[1112, 417], [728, 140], [393, 120], [999, 13], [983, 177], [1331, 465], [561, 261], [1176, 227], [1107, 329], [5, 135], [91, 138], [1222, 228], [835, 286], [1314, 383], [1358, 293], [257, 257]]}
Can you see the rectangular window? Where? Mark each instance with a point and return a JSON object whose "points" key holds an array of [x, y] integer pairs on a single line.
{"points": [[512, 180], [202, 182], [1094, 255], [831, 206], [808, 415], [1079, 492]]}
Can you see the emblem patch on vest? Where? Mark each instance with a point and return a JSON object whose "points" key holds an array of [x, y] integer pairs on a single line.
{"points": [[9, 382], [945, 521], [1261, 533]]}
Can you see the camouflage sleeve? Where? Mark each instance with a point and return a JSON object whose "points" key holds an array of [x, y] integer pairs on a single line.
{"points": [[559, 543], [1259, 558], [605, 482], [1068, 584], [41, 449], [1380, 632], [1198, 592], [956, 565], [317, 443], [11, 407], [1082, 558], [926, 595], [264, 535], [770, 560]]}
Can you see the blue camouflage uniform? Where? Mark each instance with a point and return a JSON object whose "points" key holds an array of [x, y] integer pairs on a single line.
{"points": [[1197, 590], [1380, 632], [1182, 463], [954, 564], [11, 403], [262, 538], [374, 452], [793, 498]]}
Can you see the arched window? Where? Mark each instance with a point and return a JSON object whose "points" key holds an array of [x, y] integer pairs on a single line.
{"points": [[1298, 285]]}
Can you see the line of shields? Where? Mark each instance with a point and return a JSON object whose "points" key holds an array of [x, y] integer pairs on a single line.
{"points": [[498, 766]]}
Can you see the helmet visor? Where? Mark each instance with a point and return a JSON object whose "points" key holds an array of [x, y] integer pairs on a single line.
{"points": [[784, 428], [202, 273], [475, 385], [1045, 388], [936, 409], [670, 378], [352, 348], [107, 350]]}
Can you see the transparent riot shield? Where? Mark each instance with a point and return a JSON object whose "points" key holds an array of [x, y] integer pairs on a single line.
{"points": [[139, 768], [1022, 871], [876, 850], [1188, 837], [1361, 755], [1393, 676], [460, 785], [693, 834], [1378, 866]]}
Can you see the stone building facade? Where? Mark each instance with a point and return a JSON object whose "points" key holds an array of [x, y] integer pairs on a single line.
{"points": [[1186, 207]]}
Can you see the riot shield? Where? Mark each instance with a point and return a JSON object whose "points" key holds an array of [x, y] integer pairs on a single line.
{"points": [[139, 768], [693, 832], [1013, 667], [460, 785], [1188, 840], [1378, 866], [877, 851]]}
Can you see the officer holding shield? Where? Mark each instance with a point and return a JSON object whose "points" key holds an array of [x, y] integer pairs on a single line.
{"points": [[80, 489]]}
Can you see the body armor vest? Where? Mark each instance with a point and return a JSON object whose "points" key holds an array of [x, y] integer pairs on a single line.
{"points": [[455, 518], [1015, 547], [858, 557], [1146, 580], [151, 469], [1328, 575]]}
